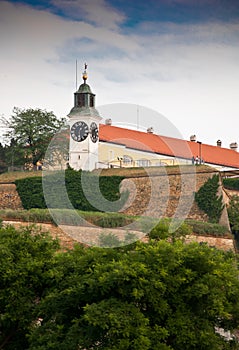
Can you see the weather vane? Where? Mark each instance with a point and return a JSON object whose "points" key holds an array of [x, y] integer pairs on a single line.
{"points": [[84, 74]]}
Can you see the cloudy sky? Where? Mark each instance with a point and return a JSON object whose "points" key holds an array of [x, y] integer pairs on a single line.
{"points": [[177, 57]]}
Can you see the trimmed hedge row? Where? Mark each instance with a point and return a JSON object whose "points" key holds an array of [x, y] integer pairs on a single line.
{"points": [[98, 193], [207, 228], [67, 217]]}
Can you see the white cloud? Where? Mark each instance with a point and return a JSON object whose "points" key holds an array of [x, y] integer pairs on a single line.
{"points": [[189, 73], [94, 11]]}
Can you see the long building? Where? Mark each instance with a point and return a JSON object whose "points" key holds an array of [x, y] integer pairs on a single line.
{"points": [[94, 144]]}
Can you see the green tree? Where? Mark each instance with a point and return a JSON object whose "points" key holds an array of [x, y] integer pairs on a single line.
{"points": [[15, 156], [32, 130], [3, 164], [26, 260], [156, 296]]}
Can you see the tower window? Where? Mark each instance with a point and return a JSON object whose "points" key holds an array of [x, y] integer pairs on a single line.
{"points": [[81, 100], [91, 101]]}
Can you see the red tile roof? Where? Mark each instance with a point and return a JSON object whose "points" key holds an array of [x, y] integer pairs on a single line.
{"points": [[168, 146]]}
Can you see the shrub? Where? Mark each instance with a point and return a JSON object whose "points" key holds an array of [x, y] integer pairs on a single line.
{"points": [[208, 199], [111, 240], [233, 213], [162, 230]]}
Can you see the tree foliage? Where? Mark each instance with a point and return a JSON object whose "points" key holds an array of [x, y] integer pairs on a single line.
{"points": [[151, 296], [26, 260], [162, 230], [3, 163], [156, 296], [208, 200], [32, 130]]}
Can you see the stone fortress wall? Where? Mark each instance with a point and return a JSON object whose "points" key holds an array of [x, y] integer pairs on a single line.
{"points": [[149, 201]]}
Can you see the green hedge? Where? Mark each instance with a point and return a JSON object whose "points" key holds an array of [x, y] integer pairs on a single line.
{"points": [[207, 228], [68, 217], [231, 184], [208, 200], [30, 192], [98, 190]]}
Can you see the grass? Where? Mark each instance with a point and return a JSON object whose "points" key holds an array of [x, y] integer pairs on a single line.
{"points": [[15, 175], [139, 172], [126, 172], [106, 220]]}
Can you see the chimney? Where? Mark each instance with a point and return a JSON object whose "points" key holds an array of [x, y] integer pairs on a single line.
{"points": [[234, 146], [150, 130], [108, 121], [193, 138], [219, 143]]}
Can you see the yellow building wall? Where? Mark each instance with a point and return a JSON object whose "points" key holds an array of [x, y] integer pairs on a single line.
{"points": [[112, 155]]}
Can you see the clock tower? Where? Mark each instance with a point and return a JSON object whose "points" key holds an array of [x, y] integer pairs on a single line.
{"points": [[84, 129]]}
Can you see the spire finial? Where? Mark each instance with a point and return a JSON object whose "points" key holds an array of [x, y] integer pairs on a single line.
{"points": [[84, 74]]}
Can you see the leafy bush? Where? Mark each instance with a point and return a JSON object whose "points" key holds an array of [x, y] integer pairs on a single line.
{"points": [[208, 200], [233, 213], [111, 240], [231, 184], [162, 230]]}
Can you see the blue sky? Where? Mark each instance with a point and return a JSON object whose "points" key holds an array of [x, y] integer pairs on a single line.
{"points": [[180, 11], [178, 57]]}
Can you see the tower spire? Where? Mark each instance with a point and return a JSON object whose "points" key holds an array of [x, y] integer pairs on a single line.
{"points": [[84, 74]]}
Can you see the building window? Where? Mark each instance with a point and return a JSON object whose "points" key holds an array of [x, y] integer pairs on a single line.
{"points": [[127, 160], [143, 162], [111, 155]]}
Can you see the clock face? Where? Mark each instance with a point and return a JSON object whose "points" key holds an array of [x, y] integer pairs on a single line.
{"points": [[79, 131], [94, 132]]}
